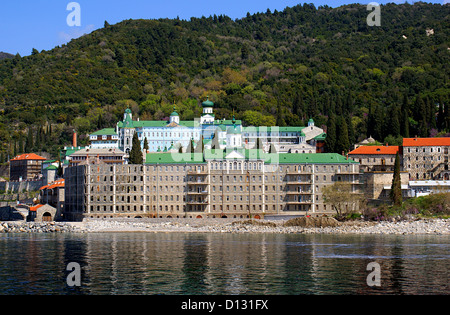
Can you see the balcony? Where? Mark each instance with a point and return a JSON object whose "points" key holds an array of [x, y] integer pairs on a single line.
{"points": [[197, 192], [197, 202], [193, 173], [293, 182], [197, 182], [294, 192]]}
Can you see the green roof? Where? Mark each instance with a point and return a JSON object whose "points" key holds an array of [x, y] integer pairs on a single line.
{"points": [[174, 158], [274, 129], [160, 123], [208, 103], [227, 122], [105, 132], [306, 158], [234, 130], [52, 167], [252, 154], [321, 137], [128, 122]]}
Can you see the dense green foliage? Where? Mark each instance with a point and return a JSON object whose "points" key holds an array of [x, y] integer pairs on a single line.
{"points": [[433, 205], [270, 68]]}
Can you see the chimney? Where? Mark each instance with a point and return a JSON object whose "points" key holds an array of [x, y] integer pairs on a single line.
{"points": [[74, 141]]}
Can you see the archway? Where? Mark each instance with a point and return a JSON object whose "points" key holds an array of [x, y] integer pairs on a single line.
{"points": [[47, 217], [199, 217]]}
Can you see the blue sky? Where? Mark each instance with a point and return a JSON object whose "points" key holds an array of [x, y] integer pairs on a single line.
{"points": [[27, 24]]}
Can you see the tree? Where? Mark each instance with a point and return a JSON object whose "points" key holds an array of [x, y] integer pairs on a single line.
{"points": [[341, 198], [146, 145], [330, 141], [215, 145], [136, 152], [29, 141], [342, 142], [396, 188], [190, 147]]}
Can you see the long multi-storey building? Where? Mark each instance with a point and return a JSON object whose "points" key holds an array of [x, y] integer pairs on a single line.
{"points": [[216, 183]]}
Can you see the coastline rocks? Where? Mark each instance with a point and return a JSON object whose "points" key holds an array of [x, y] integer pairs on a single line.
{"points": [[319, 226], [34, 227], [298, 226]]}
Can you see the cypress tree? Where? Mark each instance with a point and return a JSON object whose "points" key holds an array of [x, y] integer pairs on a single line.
{"points": [[136, 152], [190, 147], [20, 144], [146, 144], [342, 142], [29, 141], [330, 141], [440, 117], [396, 188], [394, 122], [215, 145], [447, 116], [405, 124]]}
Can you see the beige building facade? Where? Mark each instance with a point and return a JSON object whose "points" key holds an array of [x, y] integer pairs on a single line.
{"points": [[231, 184]]}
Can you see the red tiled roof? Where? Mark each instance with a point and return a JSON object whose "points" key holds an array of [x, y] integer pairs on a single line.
{"points": [[375, 149], [35, 207], [28, 156], [424, 142], [55, 184]]}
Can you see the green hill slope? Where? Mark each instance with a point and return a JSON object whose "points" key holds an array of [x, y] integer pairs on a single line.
{"points": [[270, 68]]}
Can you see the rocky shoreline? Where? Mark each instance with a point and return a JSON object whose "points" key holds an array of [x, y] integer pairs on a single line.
{"points": [[413, 227]]}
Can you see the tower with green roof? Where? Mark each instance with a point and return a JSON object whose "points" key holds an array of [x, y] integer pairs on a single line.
{"points": [[174, 117], [208, 114], [128, 130]]}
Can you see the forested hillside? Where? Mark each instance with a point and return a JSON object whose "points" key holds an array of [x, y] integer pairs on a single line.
{"points": [[271, 68]]}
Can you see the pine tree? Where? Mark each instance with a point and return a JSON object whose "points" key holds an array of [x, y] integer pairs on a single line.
{"points": [[396, 188], [330, 141], [136, 152]]}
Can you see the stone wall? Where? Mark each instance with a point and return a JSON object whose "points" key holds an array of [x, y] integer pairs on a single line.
{"points": [[19, 187]]}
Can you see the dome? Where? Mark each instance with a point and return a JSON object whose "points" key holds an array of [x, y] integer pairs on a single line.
{"points": [[234, 130], [208, 103]]}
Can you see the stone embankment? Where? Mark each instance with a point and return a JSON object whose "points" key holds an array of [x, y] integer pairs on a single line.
{"points": [[32, 227], [432, 226], [305, 226]]}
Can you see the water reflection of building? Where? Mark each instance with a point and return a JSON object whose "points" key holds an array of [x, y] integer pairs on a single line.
{"points": [[140, 263]]}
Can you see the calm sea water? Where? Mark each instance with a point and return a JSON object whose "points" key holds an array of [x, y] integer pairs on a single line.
{"points": [[218, 264]]}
